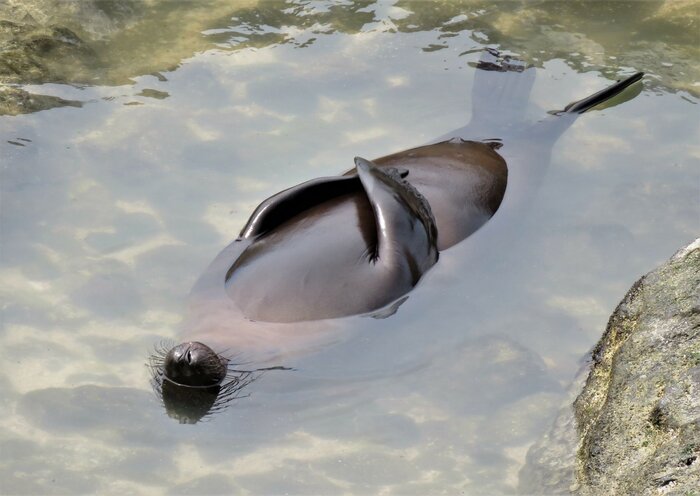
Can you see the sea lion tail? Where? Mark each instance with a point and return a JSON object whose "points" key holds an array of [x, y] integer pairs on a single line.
{"points": [[581, 106]]}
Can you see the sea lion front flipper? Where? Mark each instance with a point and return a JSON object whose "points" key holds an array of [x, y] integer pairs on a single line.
{"points": [[292, 201], [406, 229]]}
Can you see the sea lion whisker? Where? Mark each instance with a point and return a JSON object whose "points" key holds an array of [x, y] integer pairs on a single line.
{"points": [[160, 351], [163, 346], [232, 394]]}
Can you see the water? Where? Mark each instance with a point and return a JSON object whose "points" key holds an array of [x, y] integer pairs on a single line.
{"points": [[111, 210]]}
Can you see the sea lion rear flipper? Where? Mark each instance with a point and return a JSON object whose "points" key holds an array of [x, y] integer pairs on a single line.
{"points": [[604, 95], [406, 230], [501, 91], [500, 97], [548, 130]]}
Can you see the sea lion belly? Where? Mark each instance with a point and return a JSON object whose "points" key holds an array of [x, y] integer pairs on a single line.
{"points": [[316, 265]]}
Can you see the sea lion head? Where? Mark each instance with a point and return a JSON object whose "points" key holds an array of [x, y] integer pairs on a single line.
{"points": [[195, 382], [194, 364]]}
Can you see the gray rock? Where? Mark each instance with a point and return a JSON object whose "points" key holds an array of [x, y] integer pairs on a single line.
{"points": [[635, 427], [638, 416]]}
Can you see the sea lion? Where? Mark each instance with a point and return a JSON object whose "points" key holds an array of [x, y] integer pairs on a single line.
{"points": [[351, 244], [356, 243]]}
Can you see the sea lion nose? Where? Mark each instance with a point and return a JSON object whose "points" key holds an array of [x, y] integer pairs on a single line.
{"points": [[182, 354], [178, 362]]}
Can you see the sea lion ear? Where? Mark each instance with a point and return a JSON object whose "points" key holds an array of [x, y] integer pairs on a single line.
{"points": [[406, 230]]}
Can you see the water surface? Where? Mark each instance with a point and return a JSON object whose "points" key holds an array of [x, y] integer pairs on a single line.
{"points": [[114, 205]]}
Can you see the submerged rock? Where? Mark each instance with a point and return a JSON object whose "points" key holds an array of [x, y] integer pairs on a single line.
{"points": [[32, 54], [550, 462], [635, 427], [14, 101]]}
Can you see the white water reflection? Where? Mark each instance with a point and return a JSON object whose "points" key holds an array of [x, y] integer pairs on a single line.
{"points": [[111, 211]]}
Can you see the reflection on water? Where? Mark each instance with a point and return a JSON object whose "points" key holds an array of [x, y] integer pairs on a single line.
{"points": [[111, 210], [103, 41]]}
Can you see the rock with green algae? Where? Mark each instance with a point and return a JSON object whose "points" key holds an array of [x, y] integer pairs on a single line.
{"points": [[635, 427], [31, 54], [14, 101], [638, 416]]}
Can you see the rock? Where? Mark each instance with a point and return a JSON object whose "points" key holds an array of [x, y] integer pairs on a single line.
{"points": [[38, 54], [638, 416], [87, 42], [636, 424], [31, 54], [14, 101]]}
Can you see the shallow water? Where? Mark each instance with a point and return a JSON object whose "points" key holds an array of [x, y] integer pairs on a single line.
{"points": [[111, 210]]}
